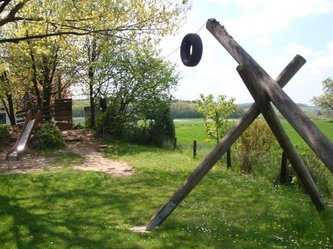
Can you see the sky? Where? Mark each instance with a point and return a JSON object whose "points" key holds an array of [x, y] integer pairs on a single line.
{"points": [[272, 32]]}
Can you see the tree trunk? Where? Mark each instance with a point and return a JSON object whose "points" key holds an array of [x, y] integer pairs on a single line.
{"points": [[92, 56], [34, 77], [92, 105], [10, 110]]}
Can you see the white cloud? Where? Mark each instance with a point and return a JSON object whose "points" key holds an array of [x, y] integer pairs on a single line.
{"points": [[263, 41], [267, 17], [296, 48]]}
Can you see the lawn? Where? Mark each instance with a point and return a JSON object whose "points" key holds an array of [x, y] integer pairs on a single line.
{"points": [[65, 208]]}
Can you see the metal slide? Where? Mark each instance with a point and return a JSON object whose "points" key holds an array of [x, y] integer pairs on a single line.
{"points": [[29, 125]]}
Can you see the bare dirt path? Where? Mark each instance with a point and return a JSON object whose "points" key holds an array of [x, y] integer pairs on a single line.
{"points": [[82, 142]]}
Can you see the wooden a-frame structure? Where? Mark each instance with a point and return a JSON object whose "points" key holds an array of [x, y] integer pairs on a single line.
{"points": [[264, 91]]}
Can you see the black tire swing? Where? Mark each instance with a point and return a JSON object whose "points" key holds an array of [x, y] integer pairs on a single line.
{"points": [[191, 50]]}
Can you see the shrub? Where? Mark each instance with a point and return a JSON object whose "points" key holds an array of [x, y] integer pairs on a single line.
{"points": [[4, 134], [48, 136], [319, 172], [254, 143]]}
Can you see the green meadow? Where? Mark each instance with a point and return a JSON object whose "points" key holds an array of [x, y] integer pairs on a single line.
{"points": [[66, 208]]}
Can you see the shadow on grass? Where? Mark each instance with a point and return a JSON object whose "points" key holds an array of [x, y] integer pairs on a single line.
{"points": [[60, 225], [91, 216]]}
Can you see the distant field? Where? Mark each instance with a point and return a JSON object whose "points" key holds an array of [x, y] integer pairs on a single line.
{"points": [[188, 130], [325, 126]]}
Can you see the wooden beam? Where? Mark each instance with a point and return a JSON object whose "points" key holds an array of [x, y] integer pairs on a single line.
{"points": [[258, 93], [317, 141], [219, 150]]}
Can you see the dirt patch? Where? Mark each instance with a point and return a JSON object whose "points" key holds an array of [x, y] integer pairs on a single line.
{"points": [[82, 142]]}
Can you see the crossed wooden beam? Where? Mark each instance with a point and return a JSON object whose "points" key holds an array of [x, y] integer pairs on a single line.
{"points": [[264, 91]]}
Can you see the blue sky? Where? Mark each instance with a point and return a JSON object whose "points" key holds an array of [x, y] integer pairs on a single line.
{"points": [[273, 32]]}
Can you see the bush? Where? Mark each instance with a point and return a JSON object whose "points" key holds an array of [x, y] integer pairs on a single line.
{"points": [[4, 134], [319, 172], [48, 136], [254, 144]]}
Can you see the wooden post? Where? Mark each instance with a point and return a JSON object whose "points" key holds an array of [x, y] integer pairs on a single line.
{"points": [[194, 148], [229, 158], [259, 94], [318, 142], [175, 143], [283, 171], [226, 142]]}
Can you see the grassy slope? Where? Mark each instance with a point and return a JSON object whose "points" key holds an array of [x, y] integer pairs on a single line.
{"points": [[73, 209]]}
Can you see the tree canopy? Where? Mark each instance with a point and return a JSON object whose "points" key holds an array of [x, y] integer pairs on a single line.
{"points": [[325, 101], [47, 46], [34, 19], [216, 114]]}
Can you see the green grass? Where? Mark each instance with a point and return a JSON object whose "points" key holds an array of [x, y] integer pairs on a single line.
{"points": [[73, 209], [66, 208], [324, 125]]}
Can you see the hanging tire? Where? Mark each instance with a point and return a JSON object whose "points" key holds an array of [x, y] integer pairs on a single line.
{"points": [[191, 42]]}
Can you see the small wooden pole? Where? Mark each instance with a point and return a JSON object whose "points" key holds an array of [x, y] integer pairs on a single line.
{"points": [[290, 70], [229, 158], [259, 94], [175, 143], [317, 141], [194, 148], [283, 171]]}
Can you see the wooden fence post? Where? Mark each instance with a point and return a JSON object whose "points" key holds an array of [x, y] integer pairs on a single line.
{"points": [[194, 148], [229, 158], [283, 171]]}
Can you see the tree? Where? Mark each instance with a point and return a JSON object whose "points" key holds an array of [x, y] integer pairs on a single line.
{"points": [[85, 17], [325, 101], [41, 69], [139, 84], [6, 96], [46, 31], [218, 111]]}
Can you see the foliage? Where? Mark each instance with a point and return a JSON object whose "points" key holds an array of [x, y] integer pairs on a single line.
{"points": [[218, 111], [61, 43], [78, 18], [4, 134], [185, 109], [253, 144], [48, 136], [139, 88], [319, 172], [325, 101], [157, 129]]}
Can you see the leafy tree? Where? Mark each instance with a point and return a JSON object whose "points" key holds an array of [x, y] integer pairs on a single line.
{"points": [[325, 101], [139, 84], [216, 114], [41, 69], [86, 17], [6, 95], [45, 63]]}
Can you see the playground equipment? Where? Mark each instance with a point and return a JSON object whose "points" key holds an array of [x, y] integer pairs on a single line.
{"points": [[29, 125], [264, 91]]}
